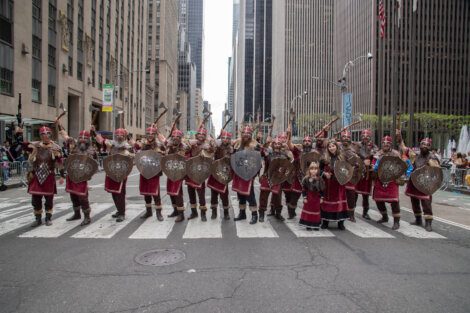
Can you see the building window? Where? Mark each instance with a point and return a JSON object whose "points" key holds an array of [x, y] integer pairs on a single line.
{"points": [[51, 95], [36, 90], [70, 66], [36, 10], [51, 56], [6, 81], [37, 47], [6, 21], [52, 14], [79, 71]]}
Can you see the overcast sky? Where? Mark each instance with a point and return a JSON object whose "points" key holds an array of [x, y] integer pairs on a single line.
{"points": [[217, 50]]}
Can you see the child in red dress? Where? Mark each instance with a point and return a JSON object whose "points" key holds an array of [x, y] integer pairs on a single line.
{"points": [[312, 186]]}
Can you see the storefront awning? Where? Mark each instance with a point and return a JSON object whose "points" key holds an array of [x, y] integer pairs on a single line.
{"points": [[26, 121]]}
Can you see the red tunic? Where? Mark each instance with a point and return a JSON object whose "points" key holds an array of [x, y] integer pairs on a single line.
{"points": [[311, 213], [149, 187], [411, 191], [112, 186], [296, 186], [215, 185], [265, 185], [193, 184], [388, 193], [334, 206], [364, 186], [241, 186], [79, 189], [48, 187], [173, 187], [350, 186]]}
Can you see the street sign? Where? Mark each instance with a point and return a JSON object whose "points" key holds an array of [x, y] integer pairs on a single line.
{"points": [[347, 109], [108, 94]]}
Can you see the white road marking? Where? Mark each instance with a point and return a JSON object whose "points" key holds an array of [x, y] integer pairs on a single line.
{"points": [[440, 219], [258, 230], [60, 226], [14, 211], [365, 230], [153, 229], [301, 231], [197, 229], [107, 227], [7, 204]]}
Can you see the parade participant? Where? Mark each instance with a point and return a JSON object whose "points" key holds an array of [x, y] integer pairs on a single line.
{"points": [[351, 156], [334, 207], [364, 187], [79, 191], [117, 189], [387, 192], [200, 146], [245, 189], [175, 145], [421, 202], [312, 187], [45, 156], [272, 150], [150, 188], [223, 149]]}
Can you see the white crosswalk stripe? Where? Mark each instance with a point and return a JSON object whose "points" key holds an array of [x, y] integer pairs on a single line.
{"points": [[301, 232], [258, 230], [153, 229], [16, 210], [7, 204]]}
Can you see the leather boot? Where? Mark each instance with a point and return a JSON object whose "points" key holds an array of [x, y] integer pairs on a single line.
{"points": [[148, 213], [174, 213], [365, 214], [203, 216], [418, 221], [38, 221], [193, 214], [384, 219], [271, 212], [427, 225], [86, 219], [241, 216], [352, 218], [291, 212], [180, 217], [48, 219], [261, 216], [341, 225], [76, 215], [226, 214], [324, 224], [120, 218], [214, 214], [115, 214], [278, 214], [158, 213], [254, 217], [396, 223]]}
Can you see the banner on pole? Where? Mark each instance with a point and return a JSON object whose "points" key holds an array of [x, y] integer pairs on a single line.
{"points": [[347, 109], [108, 94]]}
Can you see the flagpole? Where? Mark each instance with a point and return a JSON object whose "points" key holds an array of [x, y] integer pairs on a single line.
{"points": [[396, 61], [380, 76], [411, 95]]}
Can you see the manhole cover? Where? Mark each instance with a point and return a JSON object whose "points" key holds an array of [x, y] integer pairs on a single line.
{"points": [[135, 198], [160, 257]]}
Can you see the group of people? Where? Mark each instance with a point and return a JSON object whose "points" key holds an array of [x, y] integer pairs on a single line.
{"points": [[326, 197]]}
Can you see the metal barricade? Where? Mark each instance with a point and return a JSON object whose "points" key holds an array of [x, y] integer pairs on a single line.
{"points": [[455, 178], [13, 173]]}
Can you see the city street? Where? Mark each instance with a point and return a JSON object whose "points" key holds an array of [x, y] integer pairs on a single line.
{"points": [[228, 266]]}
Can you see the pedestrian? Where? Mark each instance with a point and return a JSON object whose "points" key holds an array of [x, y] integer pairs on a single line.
{"points": [[312, 189]]}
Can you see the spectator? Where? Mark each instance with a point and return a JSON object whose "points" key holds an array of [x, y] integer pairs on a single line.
{"points": [[460, 165], [5, 159]]}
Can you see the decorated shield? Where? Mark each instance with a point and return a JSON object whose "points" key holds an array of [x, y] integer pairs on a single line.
{"points": [[359, 169], [246, 163], [198, 168], [343, 172], [80, 167], [280, 170], [307, 158], [427, 179], [174, 166], [391, 168], [118, 166], [148, 162], [221, 170]]}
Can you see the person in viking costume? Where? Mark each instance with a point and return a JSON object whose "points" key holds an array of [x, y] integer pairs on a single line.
{"points": [[334, 207], [79, 190], [366, 152], [45, 157], [349, 152], [245, 188], [150, 188], [421, 202], [205, 147], [387, 191], [223, 149], [313, 186], [117, 189]]}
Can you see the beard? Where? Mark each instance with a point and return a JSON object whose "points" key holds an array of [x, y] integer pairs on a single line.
{"points": [[307, 147], [424, 150], [83, 146]]}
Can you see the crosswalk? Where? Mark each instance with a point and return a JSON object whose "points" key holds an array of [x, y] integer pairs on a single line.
{"points": [[16, 215]]}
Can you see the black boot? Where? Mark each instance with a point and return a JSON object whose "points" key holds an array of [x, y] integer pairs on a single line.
{"points": [[341, 225], [241, 216], [214, 214], [180, 217], [324, 224], [254, 217], [291, 212], [278, 214], [193, 214], [365, 214], [120, 218], [148, 213], [261, 216], [174, 213], [352, 218], [38, 220], [418, 221], [86, 219], [158, 213], [271, 212], [384, 219], [226, 214], [396, 223], [427, 225], [48, 219], [203, 216], [115, 214], [76, 215]]}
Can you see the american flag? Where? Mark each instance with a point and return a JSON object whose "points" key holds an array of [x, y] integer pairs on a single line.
{"points": [[382, 19]]}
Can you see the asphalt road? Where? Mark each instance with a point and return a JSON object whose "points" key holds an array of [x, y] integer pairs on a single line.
{"points": [[367, 268]]}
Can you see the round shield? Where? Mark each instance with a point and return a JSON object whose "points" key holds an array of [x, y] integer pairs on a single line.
{"points": [[118, 166], [148, 162], [280, 170], [246, 163], [174, 166], [427, 179], [307, 158], [221, 170], [391, 168], [343, 172], [198, 168], [80, 167]]}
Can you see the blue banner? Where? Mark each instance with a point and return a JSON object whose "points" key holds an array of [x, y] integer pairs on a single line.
{"points": [[347, 109]]}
